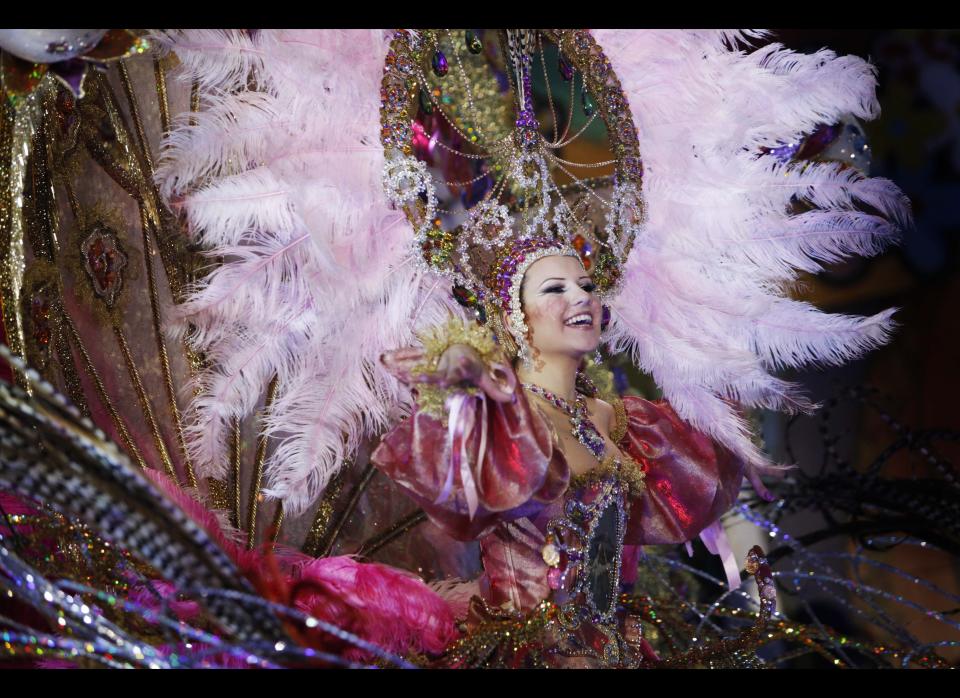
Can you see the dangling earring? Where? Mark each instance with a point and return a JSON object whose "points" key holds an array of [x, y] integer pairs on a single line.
{"points": [[524, 356], [524, 352], [598, 357]]}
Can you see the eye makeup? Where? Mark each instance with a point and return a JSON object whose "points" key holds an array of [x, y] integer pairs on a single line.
{"points": [[589, 287]]}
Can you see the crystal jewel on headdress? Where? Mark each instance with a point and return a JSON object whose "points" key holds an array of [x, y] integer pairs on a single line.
{"points": [[405, 178]]}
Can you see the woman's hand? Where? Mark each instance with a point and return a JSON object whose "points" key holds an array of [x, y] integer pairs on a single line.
{"points": [[459, 365]]}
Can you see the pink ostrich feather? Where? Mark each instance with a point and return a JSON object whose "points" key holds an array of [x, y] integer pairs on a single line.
{"points": [[391, 608], [282, 182], [704, 305]]}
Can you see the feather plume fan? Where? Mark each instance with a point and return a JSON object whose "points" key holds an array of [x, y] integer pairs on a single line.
{"points": [[279, 176], [703, 307]]}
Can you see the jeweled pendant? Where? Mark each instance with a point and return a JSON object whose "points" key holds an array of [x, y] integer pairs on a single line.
{"points": [[550, 555], [588, 105], [440, 66], [566, 68], [464, 296], [554, 578], [474, 45]]}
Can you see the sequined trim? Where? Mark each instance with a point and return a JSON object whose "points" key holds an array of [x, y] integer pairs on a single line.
{"points": [[494, 642], [627, 470], [620, 421], [431, 398]]}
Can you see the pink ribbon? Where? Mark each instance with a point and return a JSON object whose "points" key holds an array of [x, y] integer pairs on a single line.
{"points": [[714, 537], [462, 419]]}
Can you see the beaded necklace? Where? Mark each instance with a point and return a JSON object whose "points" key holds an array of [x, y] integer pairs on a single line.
{"points": [[583, 429]]}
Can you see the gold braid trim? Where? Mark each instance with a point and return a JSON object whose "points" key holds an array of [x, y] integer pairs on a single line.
{"points": [[628, 471], [436, 340], [619, 421], [490, 643]]}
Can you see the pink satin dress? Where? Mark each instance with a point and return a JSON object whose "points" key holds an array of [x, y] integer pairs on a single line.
{"points": [[522, 484]]}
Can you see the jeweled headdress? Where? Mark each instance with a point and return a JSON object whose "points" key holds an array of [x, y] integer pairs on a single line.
{"points": [[475, 89]]}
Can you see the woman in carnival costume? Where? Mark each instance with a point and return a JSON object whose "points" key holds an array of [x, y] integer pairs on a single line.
{"points": [[339, 250], [559, 486]]}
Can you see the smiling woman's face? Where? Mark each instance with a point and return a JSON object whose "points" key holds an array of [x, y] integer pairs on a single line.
{"points": [[561, 307]]}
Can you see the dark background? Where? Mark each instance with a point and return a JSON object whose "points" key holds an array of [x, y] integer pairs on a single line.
{"points": [[916, 143], [909, 387]]}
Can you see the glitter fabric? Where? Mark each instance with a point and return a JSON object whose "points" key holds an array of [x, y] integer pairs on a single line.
{"points": [[16, 132]]}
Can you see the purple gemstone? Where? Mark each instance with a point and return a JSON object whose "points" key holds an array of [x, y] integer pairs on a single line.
{"points": [[633, 167], [626, 131], [582, 40], [526, 119], [440, 66], [615, 101], [404, 64], [71, 71], [600, 66]]}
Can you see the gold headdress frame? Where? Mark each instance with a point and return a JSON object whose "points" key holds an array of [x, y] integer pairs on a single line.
{"points": [[467, 247]]}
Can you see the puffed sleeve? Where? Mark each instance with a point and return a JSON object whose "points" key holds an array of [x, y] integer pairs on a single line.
{"points": [[691, 481], [519, 473]]}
